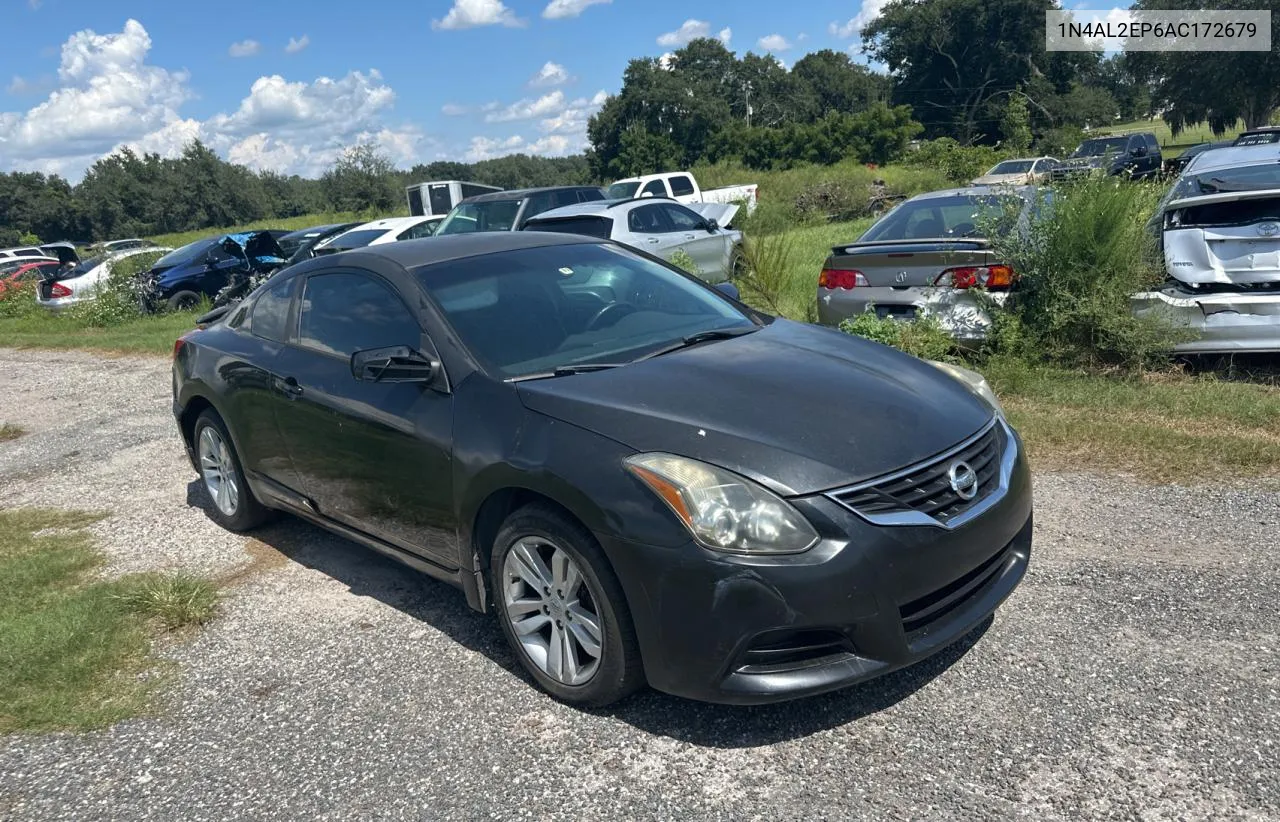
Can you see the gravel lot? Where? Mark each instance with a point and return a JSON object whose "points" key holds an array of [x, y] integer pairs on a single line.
{"points": [[1134, 674]]}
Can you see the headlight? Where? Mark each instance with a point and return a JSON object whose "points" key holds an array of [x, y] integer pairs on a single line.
{"points": [[972, 380], [723, 511]]}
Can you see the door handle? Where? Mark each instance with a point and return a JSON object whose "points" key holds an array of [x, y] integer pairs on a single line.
{"points": [[654, 240], [289, 386], [689, 237]]}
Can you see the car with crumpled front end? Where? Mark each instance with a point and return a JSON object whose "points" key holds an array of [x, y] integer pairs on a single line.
{"points": [[1218, 232], [623, 464], [931, 255]]}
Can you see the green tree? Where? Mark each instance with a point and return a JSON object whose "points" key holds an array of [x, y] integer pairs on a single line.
{"points": [[1015, 123], [361, 179], [1220, 87], [838, 83]]}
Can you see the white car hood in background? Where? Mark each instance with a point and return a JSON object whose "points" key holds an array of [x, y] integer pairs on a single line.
{"points": [[722, 213], [1241, 254]]}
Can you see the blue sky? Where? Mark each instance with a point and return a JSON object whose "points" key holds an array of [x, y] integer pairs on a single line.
{"points": [[287, 85]]}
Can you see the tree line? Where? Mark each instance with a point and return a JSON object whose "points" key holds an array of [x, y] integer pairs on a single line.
{"points": [[969, 72]]}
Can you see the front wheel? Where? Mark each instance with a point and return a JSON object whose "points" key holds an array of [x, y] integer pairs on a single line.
{"points": [[562, 609], [183, 301]]}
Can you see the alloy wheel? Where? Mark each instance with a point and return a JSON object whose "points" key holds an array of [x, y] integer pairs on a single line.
{"points": [[552, 610], [219, 471]]}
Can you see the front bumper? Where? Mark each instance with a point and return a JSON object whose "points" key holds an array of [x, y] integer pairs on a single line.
{"points": [[958, 311], [1220, 323], [867, 600]]}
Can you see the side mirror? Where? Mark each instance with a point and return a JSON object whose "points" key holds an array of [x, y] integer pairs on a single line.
{"points": [[728, 289], [712, 226], [397, 363]]}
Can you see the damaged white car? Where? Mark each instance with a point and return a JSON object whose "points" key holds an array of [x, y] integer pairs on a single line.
{"points": [[931, 256], [1219, 231]]}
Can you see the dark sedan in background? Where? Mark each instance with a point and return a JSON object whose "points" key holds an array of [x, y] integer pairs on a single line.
{"points": [[646, 480]]}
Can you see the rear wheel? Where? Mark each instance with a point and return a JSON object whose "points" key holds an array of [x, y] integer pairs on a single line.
{"points": [[562, 609], [233, 505]]}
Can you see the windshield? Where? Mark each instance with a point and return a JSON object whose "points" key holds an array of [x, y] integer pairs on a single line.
{"points": [[1101, 146], [533, 310], [185, 254], [1260, 177], [490, 215], [1012, 167], [945, 217], [621, 191]]}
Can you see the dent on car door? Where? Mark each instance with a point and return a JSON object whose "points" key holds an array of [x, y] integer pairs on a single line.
{"points": [[372, 455]]}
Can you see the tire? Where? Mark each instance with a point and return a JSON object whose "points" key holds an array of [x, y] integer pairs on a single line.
{"points": [[183, 301], [231, 502], [544, 531], [739, 267]]}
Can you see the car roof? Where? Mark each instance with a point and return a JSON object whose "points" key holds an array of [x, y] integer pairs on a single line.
{"points": [[1230, 156], [314, 230], [594, 207], [521, 193], [976, 191], [432, 250]]}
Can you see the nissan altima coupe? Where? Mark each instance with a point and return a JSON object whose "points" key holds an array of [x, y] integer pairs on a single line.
{"points": [[643, 479]]}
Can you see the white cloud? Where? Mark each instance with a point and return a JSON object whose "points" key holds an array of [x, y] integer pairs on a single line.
{"points": [[467, 14], [774, 42], [454, 110], [573, 119], [20, 86], [486, 148], [866, 16], [245, 48], [725, 35], [107, 94], [297, 44], [528, 109], [551, 74], [689, 30], [338, 107], [560, 9], [552, 145], [665, 60]]}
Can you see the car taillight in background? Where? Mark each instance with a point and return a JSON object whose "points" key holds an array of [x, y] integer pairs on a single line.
{"points": [[181, 341], [994, 277], [845, 278], [59, 290]]}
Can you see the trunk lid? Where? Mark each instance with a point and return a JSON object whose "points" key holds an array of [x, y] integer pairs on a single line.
{"points": [[1226, 239], [908, 263]]}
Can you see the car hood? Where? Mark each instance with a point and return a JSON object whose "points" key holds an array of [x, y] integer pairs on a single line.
{"points": [[796, 407], [997, 179]]}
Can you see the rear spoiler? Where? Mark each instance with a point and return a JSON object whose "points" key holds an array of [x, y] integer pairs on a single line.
{"points": [[911, 246]]}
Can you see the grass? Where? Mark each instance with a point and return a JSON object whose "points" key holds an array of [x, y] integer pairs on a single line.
{"points": [[1165, 427], [181, 238], [76, 650], [145, 335], [9, 431]]}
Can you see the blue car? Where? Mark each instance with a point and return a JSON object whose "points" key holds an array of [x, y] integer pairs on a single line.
{"points": [[182, 278]]}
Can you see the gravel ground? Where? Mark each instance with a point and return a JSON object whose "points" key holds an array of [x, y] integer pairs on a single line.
{"points": [[1133, 675]]}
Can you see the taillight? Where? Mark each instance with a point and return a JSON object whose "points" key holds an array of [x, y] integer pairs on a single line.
{"points": [[845, 278], [994, 277], [181, 341], [59, 290]]}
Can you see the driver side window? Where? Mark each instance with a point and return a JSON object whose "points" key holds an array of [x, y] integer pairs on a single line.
{"points": [[343, 313]]}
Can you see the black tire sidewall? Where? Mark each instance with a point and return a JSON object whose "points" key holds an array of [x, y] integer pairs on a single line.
{"points": [[174, 303], [619, 671], [250, 512]]}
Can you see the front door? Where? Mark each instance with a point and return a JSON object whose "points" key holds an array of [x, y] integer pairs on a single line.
{"points": [[373, 456], [708, 249]]}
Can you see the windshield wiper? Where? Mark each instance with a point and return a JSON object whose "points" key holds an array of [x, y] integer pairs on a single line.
{"points": [[701, 337], [566, 370]]}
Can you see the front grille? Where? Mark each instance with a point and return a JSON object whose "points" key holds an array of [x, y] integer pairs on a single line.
{"points": [[927, 488], [928, 609]]}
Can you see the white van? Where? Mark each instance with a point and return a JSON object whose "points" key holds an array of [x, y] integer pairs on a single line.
{"points": [[439, 198]]}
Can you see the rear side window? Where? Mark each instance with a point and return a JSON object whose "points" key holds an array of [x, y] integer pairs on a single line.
{"points": [[587, 195], [599, 227], [344, 313], [681, 184], [270, 318], [1152, 145], [656, 188]]}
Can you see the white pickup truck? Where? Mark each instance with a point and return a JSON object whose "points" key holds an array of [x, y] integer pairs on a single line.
{"points": [[681, 187]]}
